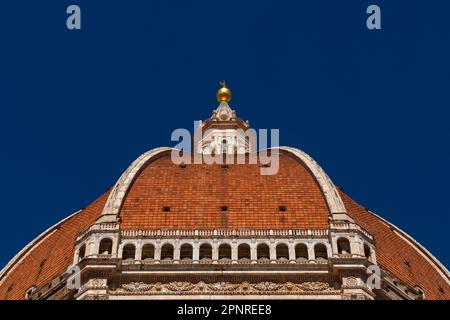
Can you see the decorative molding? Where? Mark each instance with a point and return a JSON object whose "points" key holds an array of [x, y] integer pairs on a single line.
{"points": [[93, 284], [226, 288], [351, 282], [352, 285], [95, 297]]}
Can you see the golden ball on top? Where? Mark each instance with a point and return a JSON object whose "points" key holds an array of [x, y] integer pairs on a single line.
{"points": [[223, 94]]}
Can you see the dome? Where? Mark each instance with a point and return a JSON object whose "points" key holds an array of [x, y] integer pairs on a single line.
{"points": [[163, 184], [224, 226]]}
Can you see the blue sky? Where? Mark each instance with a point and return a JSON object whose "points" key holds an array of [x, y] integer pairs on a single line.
{"points": [[77, 107]]}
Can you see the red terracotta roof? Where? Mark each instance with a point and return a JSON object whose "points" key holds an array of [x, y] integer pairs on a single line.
{"points": [[196, 193], [50, 256], [399, 255]]}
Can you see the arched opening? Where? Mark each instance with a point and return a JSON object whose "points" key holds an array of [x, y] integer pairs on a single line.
{"points": [[205, 252], [129, 252], [320, 252], [343, 246], [167, 252], [367, 252], [186, 252], [224, 146], [301, 252], [224, 252], [105, 246], [243, 252], [282, 252], [82, 252], [148, 252], [263, 252]]}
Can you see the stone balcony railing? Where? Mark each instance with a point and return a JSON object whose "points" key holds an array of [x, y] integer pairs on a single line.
{"points": [[343, 226], [99, 227], [221, 261], [346, 255], [211, 233], [226, 233], [100, 256], [210, 261]]}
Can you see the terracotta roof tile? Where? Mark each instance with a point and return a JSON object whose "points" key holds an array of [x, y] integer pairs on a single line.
{"points": [[197, 193], [398, 255], [49, 257]]}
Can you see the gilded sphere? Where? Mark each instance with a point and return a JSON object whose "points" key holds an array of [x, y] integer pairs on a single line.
{"points": [[223, 94]]}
